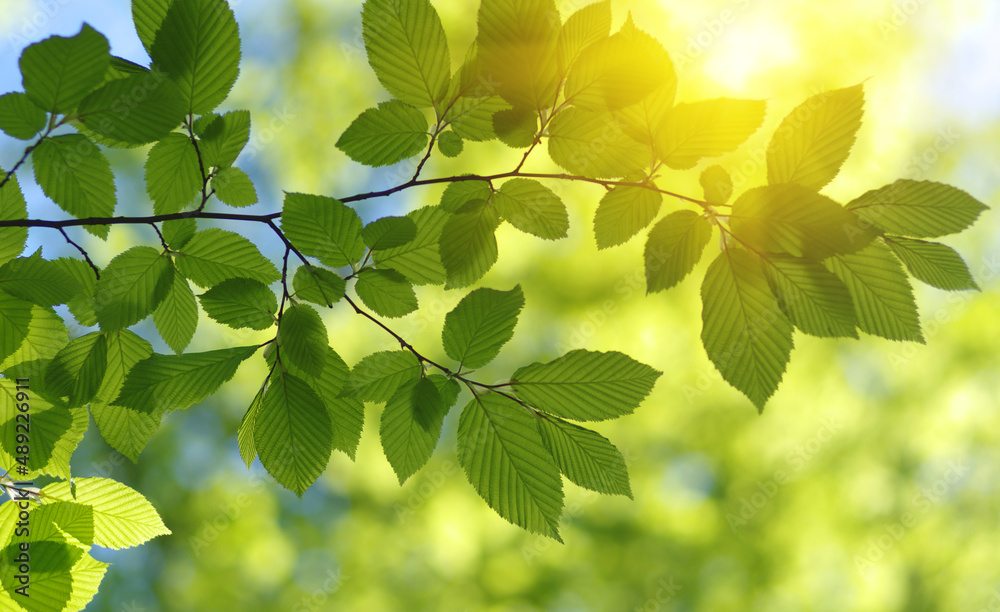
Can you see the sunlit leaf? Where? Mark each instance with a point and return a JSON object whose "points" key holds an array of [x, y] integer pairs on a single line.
{"points": [[376, 377], [293, 433], [920, 209], [813, 298], [131, 287], [812, 143], [215, 255], [594, 144], [419, 259], [382, 136], [176, 317], [407, 49], [507, 463], [234, 187], [387, 292], [744, 330], [59, 71], [532, 208], [173, 176], [624, 212], [324, 228], [933, 263], [585, 457], [411, 425], [19, 117], [73, 172], [883, 298], [586, 385], [161, 383], [476, 329], [674, 247], [709, 128], [198, 47], [468, 243], [318, 285]]}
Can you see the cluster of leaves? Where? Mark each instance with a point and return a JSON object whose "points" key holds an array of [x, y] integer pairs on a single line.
{"points": [[48, 533], [604, 102]]}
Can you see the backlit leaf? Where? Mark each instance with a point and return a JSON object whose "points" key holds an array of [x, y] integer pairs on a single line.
{"points": [[324, 228], [476, 329], [933, 263], [692, 131], [382, 136], [131, 287], [920, 209], [532, 208], [215, 255], [624, 212], [674, 247]]}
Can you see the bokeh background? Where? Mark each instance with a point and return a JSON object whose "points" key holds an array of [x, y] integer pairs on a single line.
{"points": [[871, 482]]}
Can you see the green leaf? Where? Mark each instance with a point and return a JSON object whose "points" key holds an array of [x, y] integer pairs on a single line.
{"points": [[134, 110], [87, 575], [411, 426], [15, 322], [55, 431], [81, 305], [46, 336], [516, 127], [407, 49], [318, 285], [585, 457], [293, 433], [618, 71], [745, 333], [62, 517], [419, 260], [674, 247], [148, 16], [624, 212], [472, 118], [19, 117], [244, 435], [232, 186], [708, 128], [223, 137], [468, 243], [387, 292], [173, 175], [933, 263], [346, 413], [73, 172], [376, 377], [450, 144], [198, 47], [178, 232], [12, 207], [38, 280], [51, 583], [532, 208], [385, 135], [813, 298], [59, 71], [642, 121], [716, 184], [161, 383], [302, 338], [324, 228], [122, 517], [505, 459], [176, 317], [586, 385], [517, 48], [460, 193], [795, 220], [919, 209], [125, 429], [78, 369], [131, 287], [476, 329], [813, 142], [215, 255], [388, 232], [595, 145], [883, 298], [448, 388], [582, 29]]}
